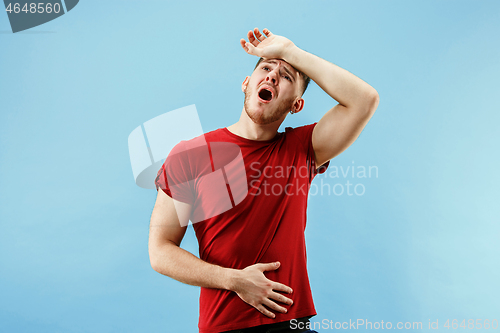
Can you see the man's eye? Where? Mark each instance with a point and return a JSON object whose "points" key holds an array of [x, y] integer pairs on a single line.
{"points": [[288, 78], [265, 68]]}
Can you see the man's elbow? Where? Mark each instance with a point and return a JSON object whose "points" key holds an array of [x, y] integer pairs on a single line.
{"points": [[160, 256], [367, 107], [373, 99], [153, 260]]}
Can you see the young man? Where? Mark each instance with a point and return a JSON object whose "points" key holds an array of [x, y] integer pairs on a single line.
{"points": [[252, 266]]}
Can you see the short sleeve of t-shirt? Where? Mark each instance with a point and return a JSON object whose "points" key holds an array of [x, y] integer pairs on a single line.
{"points": [[303, 134], [161, 180], [174, 176]]}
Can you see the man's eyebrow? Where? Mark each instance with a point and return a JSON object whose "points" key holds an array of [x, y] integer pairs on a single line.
{"points": [[284, 66]]}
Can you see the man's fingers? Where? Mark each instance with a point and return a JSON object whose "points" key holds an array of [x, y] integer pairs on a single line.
{"points": [[280, 298], [255, 37], [281, 287], [273, 306], [267, 32], [258, 35], [248, 47], [262, 309], [244, 45], [252, 50], [270, 266], [251, 38]]}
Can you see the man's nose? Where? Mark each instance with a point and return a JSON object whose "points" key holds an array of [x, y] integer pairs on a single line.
{"points": [[272, 76]]}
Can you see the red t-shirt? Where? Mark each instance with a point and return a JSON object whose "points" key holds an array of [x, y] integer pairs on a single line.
{"points": [[263, 223]]}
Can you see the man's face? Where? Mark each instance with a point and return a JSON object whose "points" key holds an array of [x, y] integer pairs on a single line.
{"points": [[272, 91]]}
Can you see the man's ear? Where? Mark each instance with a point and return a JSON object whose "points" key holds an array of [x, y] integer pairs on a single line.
{"points": [[245, 83], [298, 105]]}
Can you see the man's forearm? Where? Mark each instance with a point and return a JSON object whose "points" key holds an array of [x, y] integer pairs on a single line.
{"points": [[250, 283], [341, 85], [181, 265]]}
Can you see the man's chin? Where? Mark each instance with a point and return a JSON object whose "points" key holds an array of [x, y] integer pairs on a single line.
{"points": [[257, 117], [261, 121], [261, 118]]}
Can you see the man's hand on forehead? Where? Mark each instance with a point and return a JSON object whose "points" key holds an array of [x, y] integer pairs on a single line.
{"points": [[267, 45]]}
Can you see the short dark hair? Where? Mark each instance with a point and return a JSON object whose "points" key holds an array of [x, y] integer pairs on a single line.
{"points": [[306, 79]]}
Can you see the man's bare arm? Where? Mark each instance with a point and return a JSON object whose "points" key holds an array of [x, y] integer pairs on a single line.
{"points": [[342, 124], [167, 258]]}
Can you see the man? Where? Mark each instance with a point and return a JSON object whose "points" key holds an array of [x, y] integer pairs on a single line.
{"points": [[252, 265]]}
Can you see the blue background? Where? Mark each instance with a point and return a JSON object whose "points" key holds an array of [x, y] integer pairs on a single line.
{"points": [[420, 244]]}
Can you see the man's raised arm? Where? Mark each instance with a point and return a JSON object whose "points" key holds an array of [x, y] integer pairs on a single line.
{"points": [[342, 124]]}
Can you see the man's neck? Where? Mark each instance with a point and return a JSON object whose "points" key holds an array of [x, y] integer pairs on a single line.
{"points": [[248, 129]]}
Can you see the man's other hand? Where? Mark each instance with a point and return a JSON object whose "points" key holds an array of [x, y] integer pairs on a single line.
{"points": [[254, 288]]}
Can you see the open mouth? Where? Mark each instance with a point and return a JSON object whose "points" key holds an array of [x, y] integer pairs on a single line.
{"points": [[266, 95]]}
